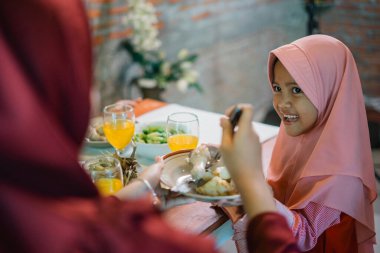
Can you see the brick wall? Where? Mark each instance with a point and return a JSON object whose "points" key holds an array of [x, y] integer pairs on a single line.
{"points": [[106, 19], [232, 38], [357, 24], [108, 28]]}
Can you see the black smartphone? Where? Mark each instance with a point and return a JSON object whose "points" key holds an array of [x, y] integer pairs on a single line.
{"points": [[234, 117]]}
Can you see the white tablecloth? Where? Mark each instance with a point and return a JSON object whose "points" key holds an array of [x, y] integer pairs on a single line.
{"points": [[210, 130]]}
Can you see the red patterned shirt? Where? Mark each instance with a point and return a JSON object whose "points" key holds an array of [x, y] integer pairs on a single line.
{"points": [[310, 222]]}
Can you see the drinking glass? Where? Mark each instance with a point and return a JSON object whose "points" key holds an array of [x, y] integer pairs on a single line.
{"points": [[119, 125], [182, 129], [106, 174]]}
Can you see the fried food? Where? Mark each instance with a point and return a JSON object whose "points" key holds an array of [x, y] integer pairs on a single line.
{"points": [[216, 181], [198, 159], [96, 133], [216, 187]]}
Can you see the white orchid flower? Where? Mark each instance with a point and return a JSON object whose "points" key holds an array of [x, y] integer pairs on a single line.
{"points": [[182, 85], [182, 54], [191, 76], [165, 68], [142, 17], [162, 55], [186, 65], [147, 83]]}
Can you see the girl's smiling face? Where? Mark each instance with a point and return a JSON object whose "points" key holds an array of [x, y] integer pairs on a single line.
{"points": [[297, 113]]}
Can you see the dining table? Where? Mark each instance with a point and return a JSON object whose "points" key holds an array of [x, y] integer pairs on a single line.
{"points": [[197, 217]]}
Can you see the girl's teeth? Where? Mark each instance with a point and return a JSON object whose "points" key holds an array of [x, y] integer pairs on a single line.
{"points": [[290, 117]]}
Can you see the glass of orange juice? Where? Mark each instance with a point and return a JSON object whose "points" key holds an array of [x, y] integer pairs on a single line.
{"points": [[106, 174], [119, 125], [182, 129]]}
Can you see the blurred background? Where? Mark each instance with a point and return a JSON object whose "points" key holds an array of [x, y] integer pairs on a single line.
{"points": [[226, 46], [231, 39]]}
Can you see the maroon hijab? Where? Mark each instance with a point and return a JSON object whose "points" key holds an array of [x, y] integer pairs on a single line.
{"points": [[47, 201], [45, 77]]}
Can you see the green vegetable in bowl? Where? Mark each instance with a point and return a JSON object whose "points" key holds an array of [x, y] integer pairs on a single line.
{"points": [[179, 131], [155, 134], [152, 135]]}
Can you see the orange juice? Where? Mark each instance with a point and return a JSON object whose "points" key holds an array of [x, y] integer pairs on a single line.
{"points": [[108, 186], [182, 141], [120, 133]]}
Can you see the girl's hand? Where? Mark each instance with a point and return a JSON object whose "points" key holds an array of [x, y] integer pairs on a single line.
{"points": [[241, 151]]}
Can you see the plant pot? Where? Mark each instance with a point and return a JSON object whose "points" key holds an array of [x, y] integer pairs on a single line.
{"points": [[153, 93]]}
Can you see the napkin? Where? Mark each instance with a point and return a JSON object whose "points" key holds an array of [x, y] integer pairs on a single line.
{"points": [[147, 105]]}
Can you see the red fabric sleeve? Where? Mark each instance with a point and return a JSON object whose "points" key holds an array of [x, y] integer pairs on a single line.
{"points": [[340, 238], [269, 233], [311, 222], [31, 223]]}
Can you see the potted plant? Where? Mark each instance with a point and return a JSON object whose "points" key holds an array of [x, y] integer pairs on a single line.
{"points": [[157, 72]]}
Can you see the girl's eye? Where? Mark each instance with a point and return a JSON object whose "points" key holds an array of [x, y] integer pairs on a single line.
{"points": [[276, 88], [296, 90]]}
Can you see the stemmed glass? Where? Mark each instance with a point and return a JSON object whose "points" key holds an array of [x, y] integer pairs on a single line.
{"points": [[106, 174], [182, 130], [119, 125]]}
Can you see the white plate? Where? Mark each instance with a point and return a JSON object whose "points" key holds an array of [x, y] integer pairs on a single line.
{"points": [[176, 167], [96, 144]]}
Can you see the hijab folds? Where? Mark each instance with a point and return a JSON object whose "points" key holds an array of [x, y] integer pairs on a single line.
{"points": [[332, 164], [42, 125]]}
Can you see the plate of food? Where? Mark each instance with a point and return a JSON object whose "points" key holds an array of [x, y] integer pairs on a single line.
{"points": [[95, 135], [201, 175]]}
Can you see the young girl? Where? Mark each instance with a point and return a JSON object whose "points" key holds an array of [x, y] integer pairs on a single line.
{"points": [[321, 170]]}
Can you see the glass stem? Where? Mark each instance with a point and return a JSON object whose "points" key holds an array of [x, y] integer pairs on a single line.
{"points": [[119, 152]]}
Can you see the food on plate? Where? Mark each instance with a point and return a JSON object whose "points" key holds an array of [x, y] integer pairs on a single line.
{"points": [[152, 135], [211, 176], [95, 132], [217, 187], [199, 158]]}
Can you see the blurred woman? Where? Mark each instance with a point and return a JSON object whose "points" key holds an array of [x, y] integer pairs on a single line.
{"points": [[48, 202]]}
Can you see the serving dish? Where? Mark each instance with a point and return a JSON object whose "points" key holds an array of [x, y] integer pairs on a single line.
{"points": [[95, 123], [151, 150], [177, 170]]}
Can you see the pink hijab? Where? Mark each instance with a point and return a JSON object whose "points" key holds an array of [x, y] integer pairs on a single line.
{"points": [[332, 164]]}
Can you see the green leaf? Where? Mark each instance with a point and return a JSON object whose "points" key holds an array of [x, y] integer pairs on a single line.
{"points": [[197, 86], [191, 58], [151, 62]]}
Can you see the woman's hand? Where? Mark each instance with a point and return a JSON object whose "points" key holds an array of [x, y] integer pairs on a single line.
{"points": [[153, 173], [138, 188]]}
